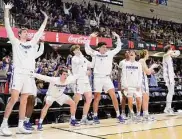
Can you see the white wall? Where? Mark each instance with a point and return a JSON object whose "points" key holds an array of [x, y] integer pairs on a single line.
{"points": [[171, 12]]}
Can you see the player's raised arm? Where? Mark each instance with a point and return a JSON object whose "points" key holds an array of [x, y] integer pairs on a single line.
{"points": [[88, 49], [9, 30], [43, 77], [119, 44], [40, 32], [41, 50], [147, 70]]}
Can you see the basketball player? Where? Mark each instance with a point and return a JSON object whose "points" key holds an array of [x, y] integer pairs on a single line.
{"points": [[31, 99], [23, 64], [132, 82], [123, 99], [81, 66], [55, 93], [144, 55], [168, 74], [102, 69]]}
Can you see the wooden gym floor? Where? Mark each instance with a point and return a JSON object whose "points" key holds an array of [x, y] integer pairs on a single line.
{"points": [[166, 127]]}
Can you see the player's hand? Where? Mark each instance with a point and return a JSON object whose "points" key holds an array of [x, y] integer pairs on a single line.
{"points": [[176, 53], [45, 15], [94, 34], [154, 66], [8, 6]]}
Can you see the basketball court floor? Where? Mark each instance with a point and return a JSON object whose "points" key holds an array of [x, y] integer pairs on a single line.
{"points": [[165, 127]]}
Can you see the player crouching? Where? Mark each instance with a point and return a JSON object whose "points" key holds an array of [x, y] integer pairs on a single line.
{"points": [[55, 93]]}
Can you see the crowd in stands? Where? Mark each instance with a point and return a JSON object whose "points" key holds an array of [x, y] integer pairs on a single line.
{"points": [[84, 18]]}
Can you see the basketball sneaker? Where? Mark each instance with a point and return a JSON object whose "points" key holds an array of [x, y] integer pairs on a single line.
{"points": [[39, 127], [22, 130], [85, 121], [169, 111], [5, 130], [123, 115], [28, 126], [96, 120], [73, 122], [120, 119], [148, 118]]}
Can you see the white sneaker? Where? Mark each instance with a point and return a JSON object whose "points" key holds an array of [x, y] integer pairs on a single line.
{"points": [[148, 118], [22, 130], [169, 111], [123, 115], [86, 122], [5, 130]]}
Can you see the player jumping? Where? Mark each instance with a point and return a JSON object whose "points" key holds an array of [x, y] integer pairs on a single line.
{"points": [[102, 69], [23, 66], [55, 93], [168, 74], [81, 66]]}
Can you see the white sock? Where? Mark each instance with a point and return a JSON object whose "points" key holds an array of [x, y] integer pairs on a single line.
{"points": [[20, 123], [73, 117], [131, 111], [95, 114], [5, 121], [138, 113], [27, 119], [145, 112], [84, 117], [117, 113], [40, 121]]}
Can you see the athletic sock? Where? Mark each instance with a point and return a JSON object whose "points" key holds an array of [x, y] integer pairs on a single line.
{"points": [[95, 114], [117, 113], [20, 123], [40, 121]]}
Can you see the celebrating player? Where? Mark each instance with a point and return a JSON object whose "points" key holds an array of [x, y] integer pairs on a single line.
{"points": [[81, 66], [102, 70], [144, 55], [132, 82], [168, 74], [55, 93], [24, 65], [120, 80]]}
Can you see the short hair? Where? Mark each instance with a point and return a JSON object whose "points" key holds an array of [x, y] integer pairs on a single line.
{"points": [[133, 51], [74, 47], [100, 44], [62, 71], [143, 53], [21, 30], [167, 48]]}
